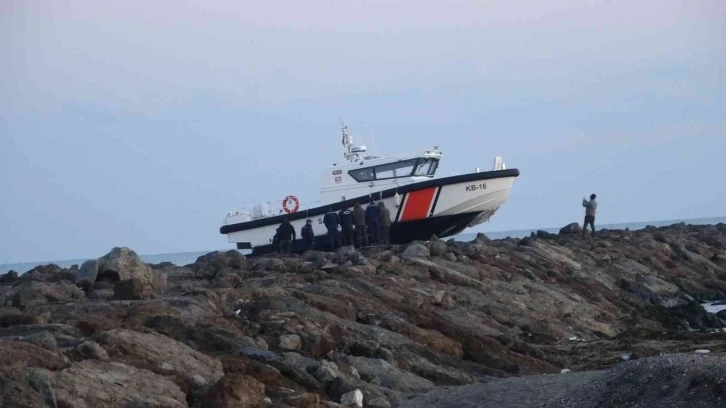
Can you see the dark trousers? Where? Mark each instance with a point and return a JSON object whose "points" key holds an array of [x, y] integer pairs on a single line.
{"points": [[589, 220], [361, 237], [347, 236], [309, 243], [373, 230], [285, 246], [385, 231], [334, 238]]}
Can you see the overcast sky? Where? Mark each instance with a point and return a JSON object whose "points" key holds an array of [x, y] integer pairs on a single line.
{"points": [[141, 123]]}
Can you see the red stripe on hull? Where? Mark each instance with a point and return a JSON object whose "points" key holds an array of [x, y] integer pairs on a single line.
{"points": [[418, 204]]}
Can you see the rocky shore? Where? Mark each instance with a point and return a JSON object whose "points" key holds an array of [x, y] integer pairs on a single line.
{"points": [[426, 324]]}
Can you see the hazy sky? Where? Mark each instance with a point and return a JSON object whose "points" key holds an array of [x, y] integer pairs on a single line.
{"points": [[141, 123]]}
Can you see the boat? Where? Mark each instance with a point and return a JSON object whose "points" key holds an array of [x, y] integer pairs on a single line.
{"points": [[421, 203]]}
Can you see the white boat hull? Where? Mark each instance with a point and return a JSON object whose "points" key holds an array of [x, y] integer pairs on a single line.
{"points": [[440, 206]]}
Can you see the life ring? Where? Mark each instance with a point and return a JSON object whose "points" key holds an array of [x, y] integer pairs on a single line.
{"points": [[287, 200]]}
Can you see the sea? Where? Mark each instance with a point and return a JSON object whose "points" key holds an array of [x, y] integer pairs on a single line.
{"points": [[186, 258]]}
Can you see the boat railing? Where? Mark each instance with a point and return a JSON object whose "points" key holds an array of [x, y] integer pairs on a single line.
{"points": [[289, 205]]}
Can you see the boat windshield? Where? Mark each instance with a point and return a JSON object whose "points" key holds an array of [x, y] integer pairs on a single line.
{"points": [[427, 167]]}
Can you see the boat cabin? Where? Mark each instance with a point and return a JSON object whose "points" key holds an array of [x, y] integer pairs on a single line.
{"points": [[369, 175]]}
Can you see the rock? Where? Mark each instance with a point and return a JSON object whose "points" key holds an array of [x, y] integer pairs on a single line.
{"points": [[235, 391], [9, 277], [571, 229], [290, 342], [132, 289], [87, 274], [39, 380], [210, 265], [160, 282], [325, 373], [114, 385], [32, 293], [306, 400], [16, 393], [388, 376], [481, 239], [564, 371], [352, 399], [89, 350], [122, 264], [437, 247], [152, 350], [416, 251], [450, 257], [544, 234], [49, 273]]}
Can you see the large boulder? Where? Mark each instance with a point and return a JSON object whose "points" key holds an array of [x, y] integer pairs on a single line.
{"points": [[162, 355], [9, 277], [132, 289], [123, 264], [235, 391], [32, 293], [213, 263], [86, 276], [437, 247], [571, 229], [416, 251], [93, 383], [49, 273]]}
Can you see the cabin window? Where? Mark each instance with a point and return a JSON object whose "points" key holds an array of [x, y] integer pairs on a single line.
{"points": [[361, 175], [427, 167], [402, 168]]}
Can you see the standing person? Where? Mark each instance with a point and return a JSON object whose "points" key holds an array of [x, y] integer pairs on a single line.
{"points": [[331, 222], [286, 234], [346, 226], [590, 208], [385, 223], [373, 220], [308, 235], [359, 217], [276, 240]]}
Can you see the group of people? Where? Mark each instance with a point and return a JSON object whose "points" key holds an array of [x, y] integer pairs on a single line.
{"points": [[359, 227]]}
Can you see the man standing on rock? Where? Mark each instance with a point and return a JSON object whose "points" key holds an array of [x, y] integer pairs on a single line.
{"points": [[373, 220], [359, 217], [346, 226], [286, 234], [308, 235], [590, 208], [331, 222], [385, 223]]}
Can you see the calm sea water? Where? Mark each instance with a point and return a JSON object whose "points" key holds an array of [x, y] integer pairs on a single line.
{"points": [[186, 258]]}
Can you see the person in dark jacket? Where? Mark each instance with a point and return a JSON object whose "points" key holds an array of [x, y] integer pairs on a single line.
{"points": [[359, 218], [385, 223], [276, 240], [373, 221], [308, 235], [345, 217], [286, 234], [331, 222]]}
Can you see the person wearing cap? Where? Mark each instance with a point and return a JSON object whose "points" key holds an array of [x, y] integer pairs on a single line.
{"points": [[590, 208], [308, 235]]}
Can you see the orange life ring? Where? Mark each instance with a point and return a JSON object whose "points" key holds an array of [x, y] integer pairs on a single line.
{"points": [[286, 201]]}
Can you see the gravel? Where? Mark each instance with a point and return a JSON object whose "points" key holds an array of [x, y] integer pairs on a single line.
{"points": [[693, 381], [684, 380]]}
